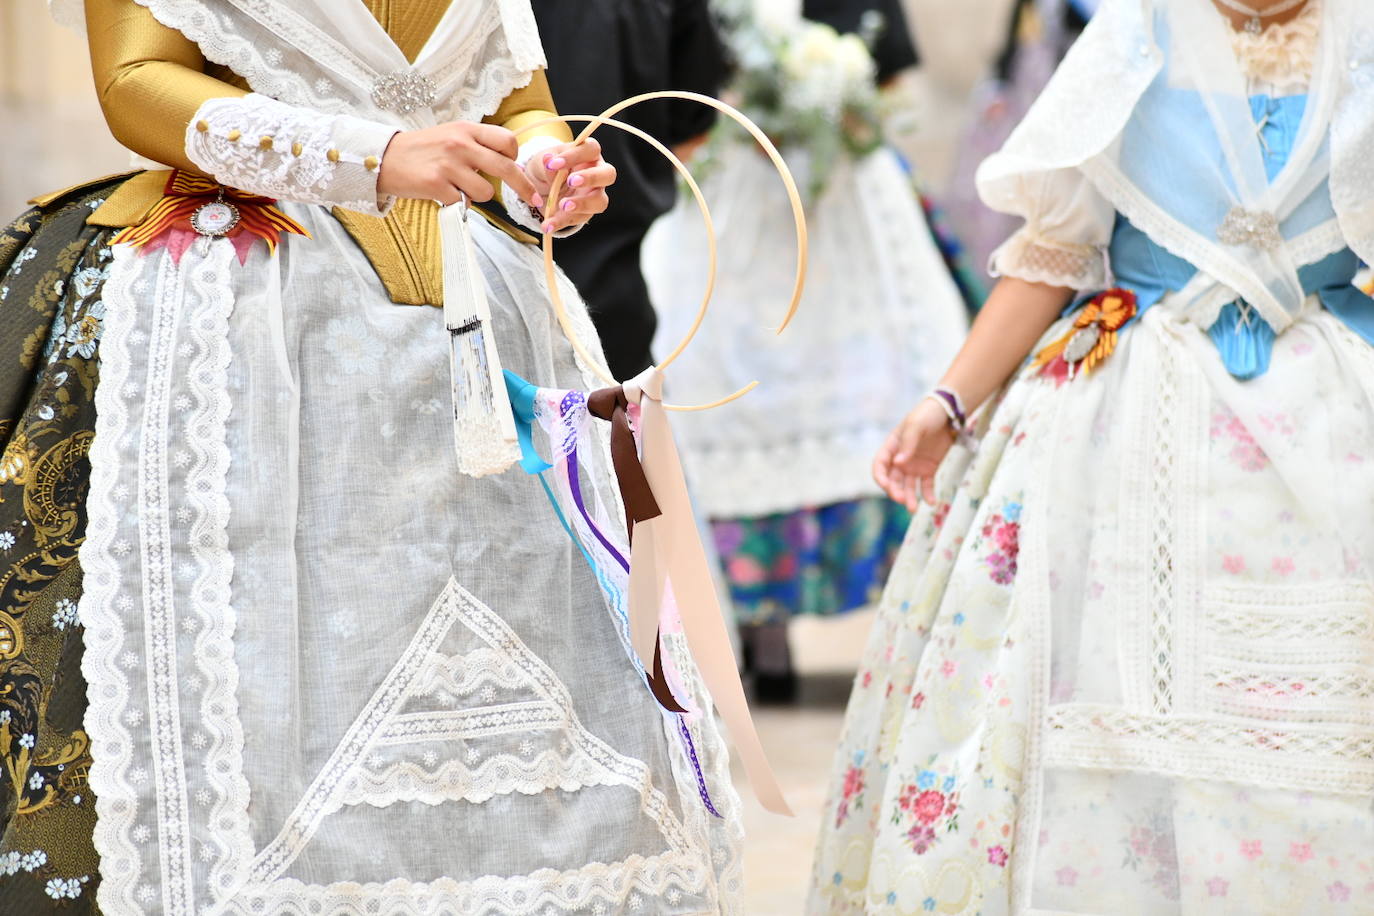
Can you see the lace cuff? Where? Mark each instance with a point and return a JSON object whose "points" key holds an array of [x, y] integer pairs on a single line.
{"points": [[1039, 260], [263, 146], [520, 212]]}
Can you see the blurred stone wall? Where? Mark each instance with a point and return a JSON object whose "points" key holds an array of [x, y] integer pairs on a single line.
{"points": [[51, 131]]}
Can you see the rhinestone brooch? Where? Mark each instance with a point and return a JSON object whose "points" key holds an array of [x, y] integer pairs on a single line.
{"points": [[405, 92], [1250, 227]]}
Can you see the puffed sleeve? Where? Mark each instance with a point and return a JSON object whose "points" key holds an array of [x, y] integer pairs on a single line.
{"points": [[1064, 241], [161, 103]]}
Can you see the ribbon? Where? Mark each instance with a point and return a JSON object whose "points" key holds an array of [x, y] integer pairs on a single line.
{"points": [[667, 553], [169, 222]]}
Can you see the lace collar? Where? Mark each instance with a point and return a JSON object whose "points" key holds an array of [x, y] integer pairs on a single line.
{"points": [[1280, 59]]}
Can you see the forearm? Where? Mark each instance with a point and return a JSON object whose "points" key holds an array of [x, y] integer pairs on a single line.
{"points": [[1016, 315]]}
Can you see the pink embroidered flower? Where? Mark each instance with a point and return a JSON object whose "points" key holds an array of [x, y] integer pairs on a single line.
{"points": [[918, 700], [1067, 876], [1251, 849], [1338, 892], [1301, 852], [929, 805], [941, 513], [853, 782], [997, 855], [1283, 566], [1233, 563], [1217, 887], [867, 678], [922, 837], [948, 667]]}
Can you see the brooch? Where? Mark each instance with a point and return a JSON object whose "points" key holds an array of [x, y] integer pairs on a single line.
{"points": [[1091, 338]]}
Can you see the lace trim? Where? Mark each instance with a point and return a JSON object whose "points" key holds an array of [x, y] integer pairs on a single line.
{"points": [[1301, 758], [111, 746], [263, 146], [1279, 614], [1038, 260], [1282, 57], [502, 774], [627, 886], [1296, 654], [1163, 515], [207, 380], [133, 590]]}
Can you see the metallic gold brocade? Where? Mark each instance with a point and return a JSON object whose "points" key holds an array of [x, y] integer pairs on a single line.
{"points": [[409, 22]]}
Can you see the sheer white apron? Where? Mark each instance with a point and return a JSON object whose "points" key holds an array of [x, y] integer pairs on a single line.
{"points": [[881, 318], [1127, 666], [329, 674]]}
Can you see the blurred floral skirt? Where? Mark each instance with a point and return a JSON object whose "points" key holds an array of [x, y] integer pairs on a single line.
{"points": [[826, 560], [52, 270]]}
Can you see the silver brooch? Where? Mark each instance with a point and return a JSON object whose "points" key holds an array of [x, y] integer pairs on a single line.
{"points": [[404, 92], [1250, 227]]}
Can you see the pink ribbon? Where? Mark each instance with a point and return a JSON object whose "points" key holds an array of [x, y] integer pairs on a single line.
{"points": [[667, 553]]}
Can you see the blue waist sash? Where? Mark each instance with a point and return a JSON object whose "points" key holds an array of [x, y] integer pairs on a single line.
{"points": [[1244, 340]]}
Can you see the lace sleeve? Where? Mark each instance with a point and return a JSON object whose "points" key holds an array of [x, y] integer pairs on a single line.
{"points": [[266, 147], [1068, 227]]}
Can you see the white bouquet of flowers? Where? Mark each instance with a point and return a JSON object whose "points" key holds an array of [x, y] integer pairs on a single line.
{"points": [[810, 88]]}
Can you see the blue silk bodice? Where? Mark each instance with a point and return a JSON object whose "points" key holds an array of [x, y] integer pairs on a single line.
{"points": [[1244, 340]]}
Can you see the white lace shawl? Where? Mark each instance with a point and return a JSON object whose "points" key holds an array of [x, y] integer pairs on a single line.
{"points": [[334, 57], [1087, 115]]}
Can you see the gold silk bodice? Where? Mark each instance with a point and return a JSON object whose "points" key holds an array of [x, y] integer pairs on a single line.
{"points": [[151, 80]]}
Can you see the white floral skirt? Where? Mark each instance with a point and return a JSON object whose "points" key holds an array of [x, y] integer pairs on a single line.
{"points": [[1126, 666], [330, 674]]}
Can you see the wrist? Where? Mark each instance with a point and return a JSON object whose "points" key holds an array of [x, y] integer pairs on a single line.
{"points": [[950, 405]]}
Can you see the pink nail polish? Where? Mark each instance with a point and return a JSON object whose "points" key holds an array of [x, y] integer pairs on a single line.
{"points": [[547, 157], [547, 227], [556, 163], [537, 200], [576, 181], [566, 205]]}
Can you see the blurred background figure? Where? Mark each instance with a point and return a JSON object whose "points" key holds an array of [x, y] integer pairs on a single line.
{"points": [[1038, 34], [784, 473], [600, 52]]}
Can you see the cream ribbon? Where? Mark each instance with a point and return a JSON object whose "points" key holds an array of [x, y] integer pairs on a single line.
{"points": [[667, 553]]}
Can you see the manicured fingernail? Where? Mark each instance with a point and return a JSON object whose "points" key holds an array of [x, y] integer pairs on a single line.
{"points": [[576, 181], [547, 157], [538, 200], [567, 205], [547, 227], [555, 163]]}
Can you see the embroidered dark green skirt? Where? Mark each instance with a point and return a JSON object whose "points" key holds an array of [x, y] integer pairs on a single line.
{"points": [[52, 270]]}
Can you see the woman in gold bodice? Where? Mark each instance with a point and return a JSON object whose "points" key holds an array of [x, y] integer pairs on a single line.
{"points": [[264, 646]]}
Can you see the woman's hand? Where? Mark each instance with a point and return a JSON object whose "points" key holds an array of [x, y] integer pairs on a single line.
{"points": [[584, 193], [906, 464], [449, 160]]}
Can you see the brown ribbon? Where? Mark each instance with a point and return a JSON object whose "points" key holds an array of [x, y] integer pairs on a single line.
{"points": [[612, 405]]}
